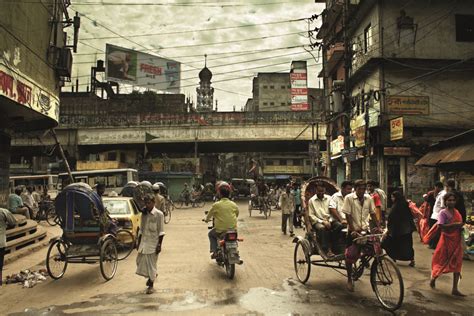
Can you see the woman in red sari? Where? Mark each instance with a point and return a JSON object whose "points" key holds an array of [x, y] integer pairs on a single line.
{"points": [[448, 255]]}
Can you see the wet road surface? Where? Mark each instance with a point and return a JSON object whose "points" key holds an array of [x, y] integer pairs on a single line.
{"points": [[189, 283]]}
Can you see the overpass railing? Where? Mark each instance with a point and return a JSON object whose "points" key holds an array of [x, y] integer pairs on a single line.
{"points": [[188, 119]]}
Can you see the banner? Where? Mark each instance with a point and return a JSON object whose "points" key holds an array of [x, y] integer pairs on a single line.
{"points": [[396, 128], [408, 105], [299, 90], [140, 69]]}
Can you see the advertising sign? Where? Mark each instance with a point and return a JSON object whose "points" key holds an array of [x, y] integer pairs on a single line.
{"points": [[299, 90], [145, 70], [396, 128], [397, 151], [358, 130], [337, 145], [26, 92], [408, 105]]}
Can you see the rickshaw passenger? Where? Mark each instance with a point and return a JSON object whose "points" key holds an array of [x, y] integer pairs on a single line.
{"points": [[358, 207], [337, 201], [321, 220]]}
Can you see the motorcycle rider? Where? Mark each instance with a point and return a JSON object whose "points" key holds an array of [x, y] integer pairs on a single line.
{"points": [[225, 213]]}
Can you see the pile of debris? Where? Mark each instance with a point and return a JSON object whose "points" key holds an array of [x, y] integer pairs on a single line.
{"points": [[27, 278]]}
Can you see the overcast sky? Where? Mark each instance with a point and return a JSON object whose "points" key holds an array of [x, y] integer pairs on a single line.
{"points": [[125, 22]]}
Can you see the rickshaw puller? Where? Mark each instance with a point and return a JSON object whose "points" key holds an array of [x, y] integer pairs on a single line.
{"points": [[358, 207], [150, 240]]}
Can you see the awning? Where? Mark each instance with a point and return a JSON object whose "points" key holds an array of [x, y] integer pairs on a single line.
{"points": [[461, 153]]}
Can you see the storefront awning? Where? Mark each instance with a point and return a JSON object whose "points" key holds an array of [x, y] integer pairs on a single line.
{"points": [[461, 153]]}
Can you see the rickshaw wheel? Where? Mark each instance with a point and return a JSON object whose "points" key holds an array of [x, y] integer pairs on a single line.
{"points": [[56, 259], [108, 259], [200, 203], [302, 262], [387, 283], [167, 214], [125, 243]]}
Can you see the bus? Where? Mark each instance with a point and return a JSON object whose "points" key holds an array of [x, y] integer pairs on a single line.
{"points": [[114, 179], [38, 182]]}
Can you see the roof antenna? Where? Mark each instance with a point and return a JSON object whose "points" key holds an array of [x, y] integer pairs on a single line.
{"points": [[205, 60]]}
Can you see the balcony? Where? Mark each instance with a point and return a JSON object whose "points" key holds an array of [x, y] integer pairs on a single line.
{"points": [[334, 56]]}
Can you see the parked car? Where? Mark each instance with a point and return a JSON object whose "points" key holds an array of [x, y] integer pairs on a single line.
{"points": [[125, 211]]}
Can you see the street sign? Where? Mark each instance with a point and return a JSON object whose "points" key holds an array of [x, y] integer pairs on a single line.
{"points": [[396, 128]]}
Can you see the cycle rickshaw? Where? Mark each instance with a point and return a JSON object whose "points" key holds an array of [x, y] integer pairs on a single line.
{"points": [[88, 234], [260, 203], [385, 277]]}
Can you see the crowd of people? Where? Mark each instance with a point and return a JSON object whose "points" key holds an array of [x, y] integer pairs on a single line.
{"points": [[357, 207]]}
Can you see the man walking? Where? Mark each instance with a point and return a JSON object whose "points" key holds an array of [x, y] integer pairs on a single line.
{"points": [[6, 219], [287, 204], [297, 212], [149, 241]]}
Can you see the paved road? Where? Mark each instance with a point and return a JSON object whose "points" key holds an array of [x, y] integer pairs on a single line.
{"points": [[189, 283]]}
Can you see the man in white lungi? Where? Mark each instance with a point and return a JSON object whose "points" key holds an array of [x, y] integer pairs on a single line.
{"points": [[150, 240]]}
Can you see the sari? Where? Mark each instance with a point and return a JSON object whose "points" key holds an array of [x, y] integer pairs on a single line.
{"points": [[424, 225], [448, 254]]}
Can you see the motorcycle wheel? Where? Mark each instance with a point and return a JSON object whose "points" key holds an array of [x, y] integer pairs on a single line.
{"points": [[230, 270]]}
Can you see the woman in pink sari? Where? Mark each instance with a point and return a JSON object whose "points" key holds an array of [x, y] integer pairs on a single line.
{"points": [[448, 255]]}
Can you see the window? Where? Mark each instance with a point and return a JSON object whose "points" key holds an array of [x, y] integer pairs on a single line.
{"points": [[269, 162], [272, 87], [283, 104], [297, 162], [283, 87], [265, 103], [367, 38], [272, 103], [265, 87], [112, 156], [464, 28], [123, 158], [282, 162]]}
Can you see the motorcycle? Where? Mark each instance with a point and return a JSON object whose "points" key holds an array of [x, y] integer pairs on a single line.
{"points": [[227, 250]]}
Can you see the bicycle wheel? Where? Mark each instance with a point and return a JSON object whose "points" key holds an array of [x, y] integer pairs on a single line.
{"points": [[170, 205], [179, 204], [302, 262], [387, 283], [125, 243], [51, 217], [56, 259], [167, 213], [108, 259], [200, 203]]}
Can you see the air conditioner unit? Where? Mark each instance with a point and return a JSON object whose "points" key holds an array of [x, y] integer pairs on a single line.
{"points": [[64, 63]]}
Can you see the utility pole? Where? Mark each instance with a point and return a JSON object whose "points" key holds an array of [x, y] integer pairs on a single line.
{"points": [[347, 66]]}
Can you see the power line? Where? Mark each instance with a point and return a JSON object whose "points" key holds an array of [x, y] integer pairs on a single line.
{"points": [[237, 54], [211, 44], [195, 31], [234, 63], [232, 71]]}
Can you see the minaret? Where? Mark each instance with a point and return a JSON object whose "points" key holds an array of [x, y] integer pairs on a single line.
{"points": [[205, 93]]}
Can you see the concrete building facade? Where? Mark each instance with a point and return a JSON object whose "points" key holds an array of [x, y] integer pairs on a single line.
{"points": [[410, 60], [35, 61]]}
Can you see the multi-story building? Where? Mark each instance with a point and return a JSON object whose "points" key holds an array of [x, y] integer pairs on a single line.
{"points": [[403, 59], [34, 63]]}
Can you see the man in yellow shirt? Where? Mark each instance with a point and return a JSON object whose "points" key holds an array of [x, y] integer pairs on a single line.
{"points": [[225, 213]]}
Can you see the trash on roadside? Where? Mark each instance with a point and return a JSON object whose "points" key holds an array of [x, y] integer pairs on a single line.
{"points": [[27, 278]]}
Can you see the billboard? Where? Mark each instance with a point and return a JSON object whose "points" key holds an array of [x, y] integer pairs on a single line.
{"points": [[299, 90], [140, 69], [408, 105]]}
